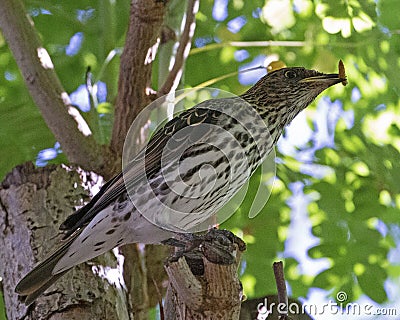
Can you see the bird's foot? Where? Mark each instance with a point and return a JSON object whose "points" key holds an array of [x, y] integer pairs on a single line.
{"points": [[217, 246]]}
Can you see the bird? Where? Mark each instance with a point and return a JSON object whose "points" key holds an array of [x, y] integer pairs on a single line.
{"points": [[190, 168]]}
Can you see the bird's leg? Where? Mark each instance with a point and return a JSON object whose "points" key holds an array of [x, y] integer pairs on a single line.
{"points": [[217, 246], [184, 241]]}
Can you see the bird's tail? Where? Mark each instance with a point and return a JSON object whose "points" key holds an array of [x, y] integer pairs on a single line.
{"points": [[41, 277]]}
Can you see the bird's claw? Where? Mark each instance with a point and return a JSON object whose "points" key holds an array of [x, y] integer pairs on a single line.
{"points": [[217, 246]]}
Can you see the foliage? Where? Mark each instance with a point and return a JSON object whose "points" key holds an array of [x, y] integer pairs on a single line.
{"points": [[353, 137]]}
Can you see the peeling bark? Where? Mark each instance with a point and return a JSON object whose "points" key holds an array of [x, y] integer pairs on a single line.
{"points": [[33, 202], [214, 294]]}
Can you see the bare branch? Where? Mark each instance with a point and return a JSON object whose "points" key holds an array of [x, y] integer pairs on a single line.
{"points": [[215, 294], [66, 123], [146, 17], [182, 52], [281, 287], [249, 44]]}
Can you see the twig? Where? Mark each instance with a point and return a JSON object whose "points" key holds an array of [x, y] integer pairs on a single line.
{"points": [[248, 44], [93, 104], [160, 303], [281, 287], [182, 52], [270, 43]]}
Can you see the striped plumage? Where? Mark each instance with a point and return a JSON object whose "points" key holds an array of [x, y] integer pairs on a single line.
{"points": [[189, 169]]}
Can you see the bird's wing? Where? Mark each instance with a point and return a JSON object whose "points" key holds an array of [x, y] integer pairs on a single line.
{"points": [[149, 158]]}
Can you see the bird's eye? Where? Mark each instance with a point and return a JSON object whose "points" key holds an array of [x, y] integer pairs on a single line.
{"points": [[290, 74]]}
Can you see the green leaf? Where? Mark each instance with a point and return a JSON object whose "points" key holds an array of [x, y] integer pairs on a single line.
{"points": [[371, 282]]}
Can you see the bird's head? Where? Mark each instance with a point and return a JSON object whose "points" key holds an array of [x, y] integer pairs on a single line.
{"points": [[287, 91]]}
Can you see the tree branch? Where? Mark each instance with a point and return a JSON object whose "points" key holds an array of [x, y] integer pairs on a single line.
{"points": [[142, 38], [214, 294], [67, 125], [281, 287], [203, 280], [146, 17], [249, 44], [182, 52]]}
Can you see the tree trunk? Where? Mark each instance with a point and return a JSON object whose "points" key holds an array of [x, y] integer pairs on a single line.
{"points": [[33, 202]]}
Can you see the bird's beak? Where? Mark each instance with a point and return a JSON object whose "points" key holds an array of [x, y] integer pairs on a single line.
{"points": [[331, 79]]}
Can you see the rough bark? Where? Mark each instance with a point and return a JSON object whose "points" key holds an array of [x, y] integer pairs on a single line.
{"points": [[214, 294], [32, 204]]}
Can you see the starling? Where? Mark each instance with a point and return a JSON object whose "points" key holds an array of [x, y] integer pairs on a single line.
{"points": [[162, 192]]}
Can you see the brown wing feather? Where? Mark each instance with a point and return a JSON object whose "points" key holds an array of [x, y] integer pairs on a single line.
{"points": [[135, 169]]}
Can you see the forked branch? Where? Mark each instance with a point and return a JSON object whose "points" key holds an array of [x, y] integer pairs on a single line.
{"points": [[66, 123]]}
